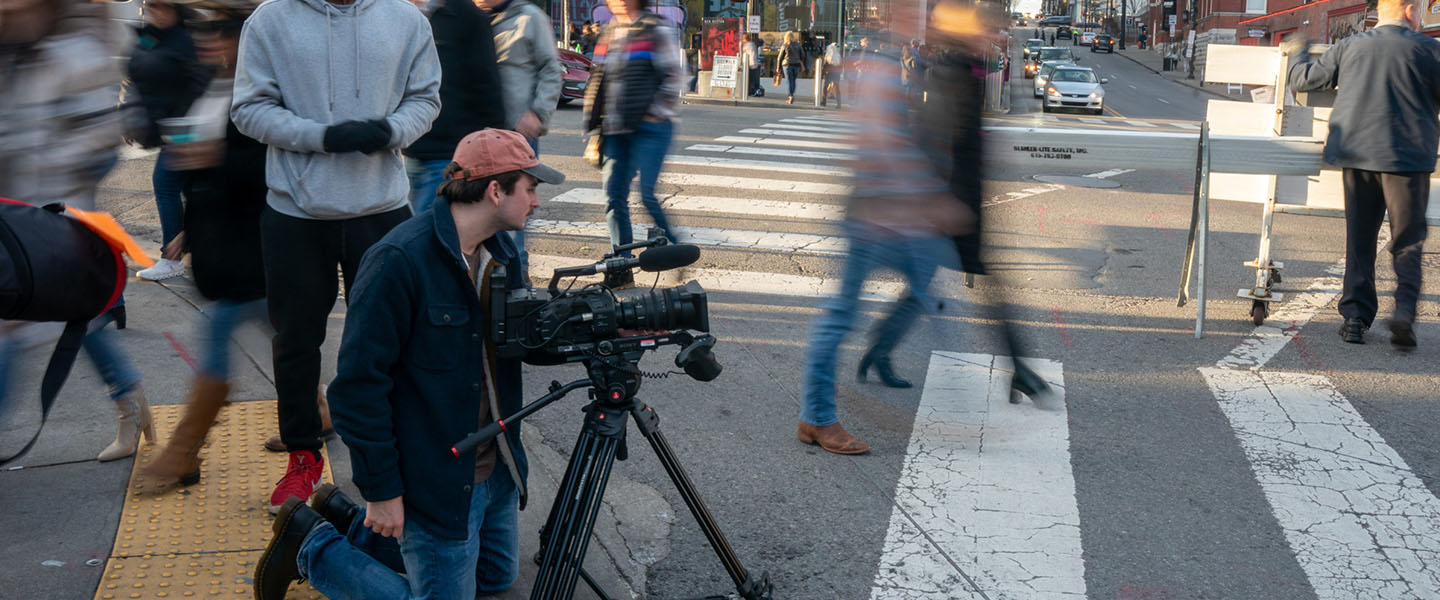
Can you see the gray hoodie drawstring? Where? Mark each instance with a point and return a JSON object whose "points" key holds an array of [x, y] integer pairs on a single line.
{"points": [[355, 16], [329, 59]]}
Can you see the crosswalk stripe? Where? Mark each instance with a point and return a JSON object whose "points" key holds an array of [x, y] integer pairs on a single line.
{"points": [[736, 139], [1360, 522], [828, 125], [755, 183], [769, 152], [1094, 121], [1186, 125], [1141, 123], [728, 280], [711, 204], [810, 127], [707, 236], [759, 165], [986, 494], [800, 134]]}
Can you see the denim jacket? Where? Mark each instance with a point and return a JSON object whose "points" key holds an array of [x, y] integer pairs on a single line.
{"points": [[410, 378]]}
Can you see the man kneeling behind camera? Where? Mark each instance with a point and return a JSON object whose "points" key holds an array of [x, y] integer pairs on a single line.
{"points": [[417, 372]]}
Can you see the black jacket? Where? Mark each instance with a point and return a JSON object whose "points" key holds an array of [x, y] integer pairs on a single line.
{"points": [[949, 130], [410, 378], [470, 98], [222, 221], [166, 75], [1385, 111]]}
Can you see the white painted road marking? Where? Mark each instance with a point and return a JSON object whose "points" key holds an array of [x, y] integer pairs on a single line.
{"points": [[736, 206], [1163, 100], [800, 134], [753, 183], [1187, 126], [1094, 121], [757, 165], [1142, 123], [1110, 173], [987, 494], [787, 153], [1360, 523], [810, 127], [829, 125], [707, 236], [735, 139]]}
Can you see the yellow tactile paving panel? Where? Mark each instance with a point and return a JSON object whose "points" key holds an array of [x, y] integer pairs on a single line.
{"points": [[201, 541]]}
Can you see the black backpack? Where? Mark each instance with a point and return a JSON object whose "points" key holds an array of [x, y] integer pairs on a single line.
{"points": [[55, 268]]}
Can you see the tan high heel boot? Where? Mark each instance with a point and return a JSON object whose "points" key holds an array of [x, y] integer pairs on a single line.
{"points": [[180, 459], [135, 419]]}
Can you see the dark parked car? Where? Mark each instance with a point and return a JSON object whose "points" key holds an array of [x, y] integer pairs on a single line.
{"points": [[1064, 33], [577, 74], [1103, 43]]}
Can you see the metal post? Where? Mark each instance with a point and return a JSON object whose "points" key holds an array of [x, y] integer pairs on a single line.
{"points": [[819, 79], [1124, 17], [1204, 227], [565, 21]]}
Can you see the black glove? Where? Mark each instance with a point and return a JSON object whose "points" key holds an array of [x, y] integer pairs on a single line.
{"points": [[357, 136]]}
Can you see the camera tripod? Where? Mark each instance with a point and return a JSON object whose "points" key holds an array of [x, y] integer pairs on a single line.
{"points": [[612, 382]]}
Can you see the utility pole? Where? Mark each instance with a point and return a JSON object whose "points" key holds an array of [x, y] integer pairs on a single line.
{"points": [[565, 22], [1124, 17]]}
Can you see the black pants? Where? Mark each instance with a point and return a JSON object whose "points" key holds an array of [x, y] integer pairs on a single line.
{"points": [[301, 256], [1368, 195], [754, 80]]}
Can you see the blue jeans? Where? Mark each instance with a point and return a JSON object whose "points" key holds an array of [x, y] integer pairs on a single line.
{"points": [[116, 370], [167, 186], [916, 258], [487, 562], [790, 74], [642, 150], [425, 178], [225, 317]]}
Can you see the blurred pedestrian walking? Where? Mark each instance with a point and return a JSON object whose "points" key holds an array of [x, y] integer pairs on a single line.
{"points": [[335, 102], [470, 94], [900, 216], [59, 133], [751, 53], [791, 61], [1384, 135], [166, 77], [224, 193], [631, 102], [530, 77]]}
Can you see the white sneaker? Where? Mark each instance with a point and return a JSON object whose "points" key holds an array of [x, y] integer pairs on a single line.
{"points": [[163, 269]]}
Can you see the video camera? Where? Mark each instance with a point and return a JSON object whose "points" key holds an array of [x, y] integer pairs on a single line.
{"points": [[559, 326]]}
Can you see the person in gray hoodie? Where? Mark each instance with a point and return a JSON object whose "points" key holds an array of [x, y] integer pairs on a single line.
{"points": [[530, 76], [335, 89]]}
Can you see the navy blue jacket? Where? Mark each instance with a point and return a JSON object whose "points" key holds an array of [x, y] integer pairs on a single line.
{"points": [[410, 379], [1385, 111]]}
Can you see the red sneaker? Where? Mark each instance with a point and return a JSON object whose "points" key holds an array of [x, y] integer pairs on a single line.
{"points": [[301, 477]]}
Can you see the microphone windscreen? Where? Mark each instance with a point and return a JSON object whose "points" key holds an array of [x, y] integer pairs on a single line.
{"points": [[664, 258]]}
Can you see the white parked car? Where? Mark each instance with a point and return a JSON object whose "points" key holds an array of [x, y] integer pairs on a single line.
{"points": [[1075, 87], [1087, 38]]}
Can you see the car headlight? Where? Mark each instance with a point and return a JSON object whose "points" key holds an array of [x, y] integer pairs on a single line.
{"points": [[1052, 91]]}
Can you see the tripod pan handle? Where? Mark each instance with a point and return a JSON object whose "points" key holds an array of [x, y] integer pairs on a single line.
{"points": [[472, 441]]}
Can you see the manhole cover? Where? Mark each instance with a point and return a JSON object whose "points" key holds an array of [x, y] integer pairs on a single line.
{"points": [[1076, 181]]}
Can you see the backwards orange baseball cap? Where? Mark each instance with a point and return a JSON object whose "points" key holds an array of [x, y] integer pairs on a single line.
{"points": [[490, 152]]}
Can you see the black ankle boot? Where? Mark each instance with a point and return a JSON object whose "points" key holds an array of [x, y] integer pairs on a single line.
{"points": [[883, 370], [276, 567], [335, 507]]}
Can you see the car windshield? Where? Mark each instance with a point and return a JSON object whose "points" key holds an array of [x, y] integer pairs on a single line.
{"points": [[1073, 75], [1034, 43], [1054, 54]]}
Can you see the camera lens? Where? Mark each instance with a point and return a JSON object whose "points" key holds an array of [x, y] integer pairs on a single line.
{"points": [[682, 307]]}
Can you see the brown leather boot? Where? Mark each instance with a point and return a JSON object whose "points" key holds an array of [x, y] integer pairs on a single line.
{"points": [[180, 459], [832, 437], [275, 445]]}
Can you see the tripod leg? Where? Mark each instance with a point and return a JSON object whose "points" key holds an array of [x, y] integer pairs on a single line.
{"points": [[649, 424], [566, 535]]}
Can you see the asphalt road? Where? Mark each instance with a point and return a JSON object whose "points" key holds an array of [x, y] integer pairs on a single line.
{"points": [[1154, 482]]}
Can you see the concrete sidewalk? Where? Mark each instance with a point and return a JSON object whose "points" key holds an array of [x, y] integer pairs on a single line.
{"points": [[774, 96], [64, 512], [1155, 61]]}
